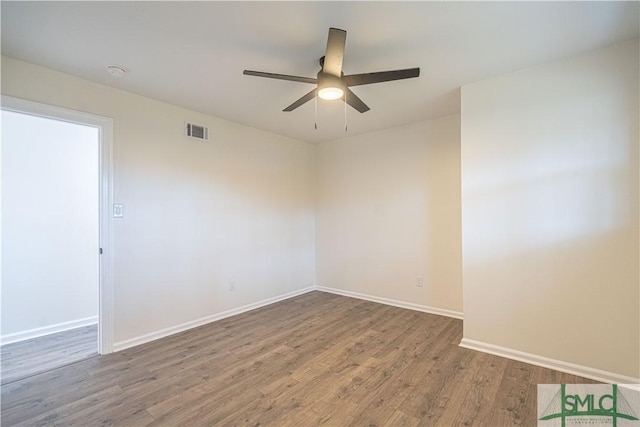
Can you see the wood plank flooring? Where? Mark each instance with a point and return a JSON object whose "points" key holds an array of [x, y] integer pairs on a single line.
{"points": [[26, 358], [317, 359]]}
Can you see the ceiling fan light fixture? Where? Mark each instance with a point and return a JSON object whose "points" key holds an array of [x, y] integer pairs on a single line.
{"points": [[330, 93], [330, 88]]}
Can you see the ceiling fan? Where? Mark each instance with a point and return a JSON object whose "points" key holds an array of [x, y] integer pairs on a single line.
{"points": [[331, 83]]}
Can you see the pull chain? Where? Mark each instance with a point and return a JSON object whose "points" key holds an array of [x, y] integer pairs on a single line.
{"points": [[345, 112], [315, 103]]}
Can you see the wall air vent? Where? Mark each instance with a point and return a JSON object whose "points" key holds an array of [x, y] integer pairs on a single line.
{"points": [[196, 131]]}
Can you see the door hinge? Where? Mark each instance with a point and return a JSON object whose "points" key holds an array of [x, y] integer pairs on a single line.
{"points": [[100, 251]]}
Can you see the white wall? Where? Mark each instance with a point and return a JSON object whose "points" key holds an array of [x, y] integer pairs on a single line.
{"points": [[49, 225], [388, 210], [196, 215], [550, 210]]}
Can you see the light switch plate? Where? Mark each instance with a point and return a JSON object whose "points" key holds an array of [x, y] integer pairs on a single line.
{"points": [[118, 211]]}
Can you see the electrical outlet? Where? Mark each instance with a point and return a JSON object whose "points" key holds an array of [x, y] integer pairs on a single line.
{"points": [[232, 285], [420, 281]]}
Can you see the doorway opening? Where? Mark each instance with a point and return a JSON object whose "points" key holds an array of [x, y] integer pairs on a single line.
{"points": [[56, 237]]}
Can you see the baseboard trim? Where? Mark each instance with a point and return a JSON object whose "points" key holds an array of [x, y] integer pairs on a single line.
{"points": [[204, 320], [393, 302], [47, 330], [545, 362]]}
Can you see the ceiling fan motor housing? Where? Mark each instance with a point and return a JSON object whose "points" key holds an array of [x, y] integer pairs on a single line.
{"points": [[329, 86]]}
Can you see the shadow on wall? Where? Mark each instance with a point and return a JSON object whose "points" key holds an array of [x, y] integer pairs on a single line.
{"points": [[551, 249], [550, 210], [552, 183]]}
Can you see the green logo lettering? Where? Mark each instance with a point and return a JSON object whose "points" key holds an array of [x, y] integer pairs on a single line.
{"points": [[616, 405], [606, 396], [578, 403]]}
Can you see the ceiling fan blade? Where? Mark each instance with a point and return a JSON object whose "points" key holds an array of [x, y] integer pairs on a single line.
{"points": [[308, 97], [280, 76], [381, 76], [335, 52], [355, 102]]}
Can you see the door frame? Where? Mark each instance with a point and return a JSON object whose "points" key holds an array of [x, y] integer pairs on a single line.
{"points": [[105, 127]]}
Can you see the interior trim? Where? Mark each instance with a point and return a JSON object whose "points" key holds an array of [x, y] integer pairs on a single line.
{"points": [[46, 330], [142, 339], [393, 302], [545, 362]]}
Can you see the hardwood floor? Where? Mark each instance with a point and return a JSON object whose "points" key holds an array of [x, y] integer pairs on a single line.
{"points": [[26, 358], [317, 359]]}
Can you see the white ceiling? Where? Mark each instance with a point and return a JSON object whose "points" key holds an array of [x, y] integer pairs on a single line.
{"points": [[192, 53]]}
